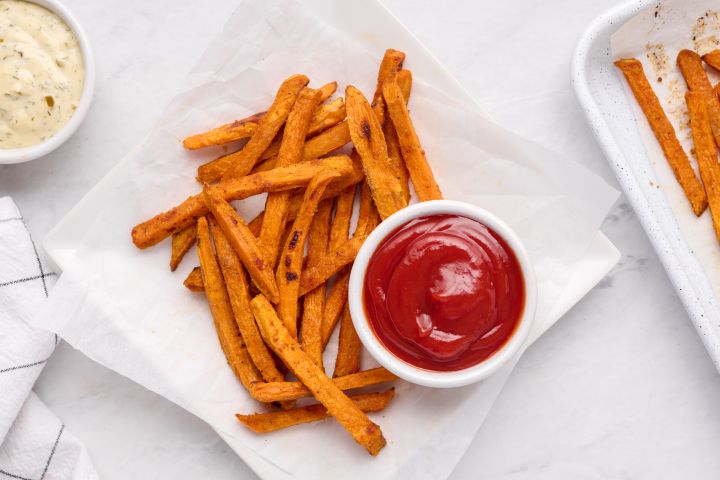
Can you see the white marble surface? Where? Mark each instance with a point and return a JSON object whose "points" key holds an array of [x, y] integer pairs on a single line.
{"points": [[621, 387]]}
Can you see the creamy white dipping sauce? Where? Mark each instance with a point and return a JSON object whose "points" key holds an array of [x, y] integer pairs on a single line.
{"points": [[41, 74]]}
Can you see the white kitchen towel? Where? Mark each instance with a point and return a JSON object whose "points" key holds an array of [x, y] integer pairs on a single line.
{"points": [[33, 442]]}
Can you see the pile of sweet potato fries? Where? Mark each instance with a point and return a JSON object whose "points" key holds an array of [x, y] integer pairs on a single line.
{"points": [[298, 299], [703, 103]]}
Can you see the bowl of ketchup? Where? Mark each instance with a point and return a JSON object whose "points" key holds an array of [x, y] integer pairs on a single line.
{"points": [[442, 293]]}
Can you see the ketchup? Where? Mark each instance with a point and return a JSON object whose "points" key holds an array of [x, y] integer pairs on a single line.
{"points": [[443, 292]]}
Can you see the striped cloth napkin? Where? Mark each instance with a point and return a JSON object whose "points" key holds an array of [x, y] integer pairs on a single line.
{"points": [[34, 444]]}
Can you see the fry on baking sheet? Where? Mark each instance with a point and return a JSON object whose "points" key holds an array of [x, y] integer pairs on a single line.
{"points": [[362, 429], [244, 243], [281, 391], [397, 164], [291, 150], [217, 297], [164, 224], [291, 259], [632, 69], [705, 152], [181, 243], [239, 296], [241, 162], [369, 141], [349, 347], [230, 132], [692, 70], [194, 281], [314, 301], [272, 421], [391, 63], [333, 263], [412, 152], [712, 59]]}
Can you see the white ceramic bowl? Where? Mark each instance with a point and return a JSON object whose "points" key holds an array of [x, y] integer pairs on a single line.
{"points": [[25, 154], [398, 366]]}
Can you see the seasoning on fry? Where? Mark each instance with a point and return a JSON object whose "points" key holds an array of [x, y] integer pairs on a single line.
{"points": [[181, 243], [690, 65], [334, 261], [349, 347], [194, 281]]}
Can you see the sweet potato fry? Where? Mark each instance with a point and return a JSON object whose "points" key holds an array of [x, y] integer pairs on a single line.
{"points": [[273, 330], [276, 204], [314, 301], [241, 162], [230, 132], [341, 220], [349, 347], [713, 59], [322, 144], [706, 153], [691, 67], [326, 116], [239, 296], [291, 260], [664, 132], [181, 243], [369, 141], [244, 243], [217, 297], [194, 281], [397, 164], [414, 156], [368, 217], [272, 421], [334, 304], [334, 262], [282, 391], [716, 89], [327, 90], [391, 63], [164, 224]]}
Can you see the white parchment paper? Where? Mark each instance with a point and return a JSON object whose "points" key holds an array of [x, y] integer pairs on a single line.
{"points": [[655, 36], [125, 309]]}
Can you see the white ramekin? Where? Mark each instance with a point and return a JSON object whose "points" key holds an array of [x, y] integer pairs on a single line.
{"points": [[25, 154], [398, 366]]}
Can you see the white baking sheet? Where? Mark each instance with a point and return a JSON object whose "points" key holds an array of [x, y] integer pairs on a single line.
{"points": [[654, 32], [124, 309]]}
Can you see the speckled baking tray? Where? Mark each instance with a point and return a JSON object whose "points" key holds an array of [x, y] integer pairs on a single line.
{"points": [[601, 94]]}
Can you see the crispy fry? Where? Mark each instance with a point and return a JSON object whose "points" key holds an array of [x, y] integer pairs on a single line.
{"points": [[713, 59], [217, 297], [272, 421], [391, 63], [291, 260], [368, 217], [341, 221], [164, 224], [276, 204], [194, 281], [369, 141], [362, 429], [223, 134], [336, 300], [282, 391], [314, 301], [327, 90], [420, 172], [716, 89], [691, 67], [326, 116], [706, 153], [397, 164], [239, 296], [243, 242], [336, 260], [240, 163], [664, 132], [349, 347], [181, 243]]}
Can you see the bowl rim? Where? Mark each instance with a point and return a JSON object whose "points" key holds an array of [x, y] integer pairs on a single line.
{"points": [[401, 368], [32, 152]]}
